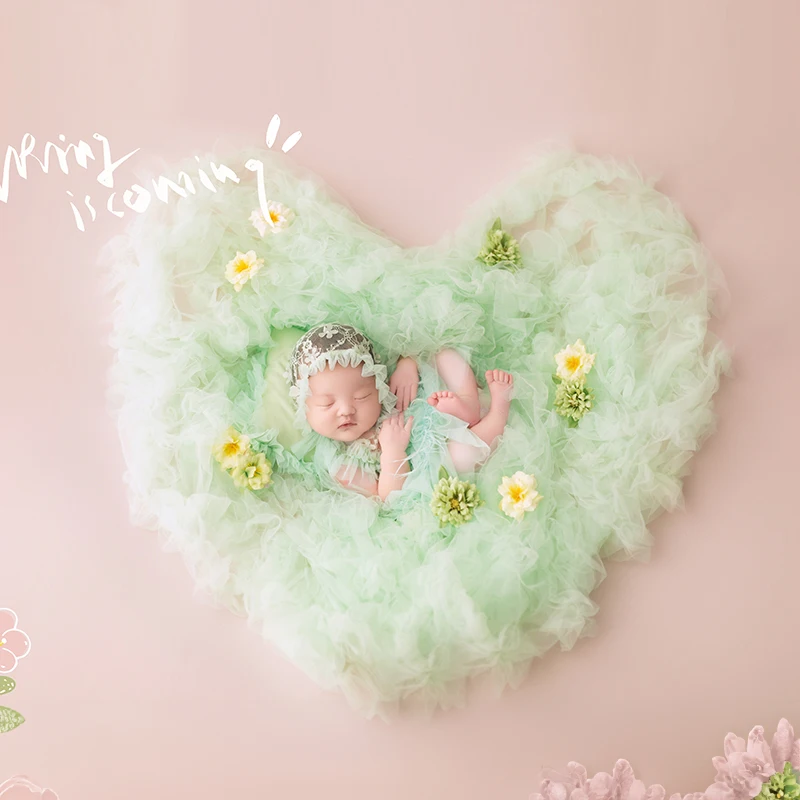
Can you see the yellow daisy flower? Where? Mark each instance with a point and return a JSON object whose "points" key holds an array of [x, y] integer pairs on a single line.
{"points": [[574, 362], [519, 494], [253, 471], [243, 267], [230, 451]]}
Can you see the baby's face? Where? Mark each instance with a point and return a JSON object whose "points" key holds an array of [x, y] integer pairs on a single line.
{"points": [[342, 403]]}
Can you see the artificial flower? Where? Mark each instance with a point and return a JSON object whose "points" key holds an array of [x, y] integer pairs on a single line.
{"points": [[454, 500], [573, 399], [32, 789], [14, 643], [574, 362], [253, 471], [232, 448], [243, 267], [277, 219], [519, 494], [500, 247], [621, 784], [747, 768]]}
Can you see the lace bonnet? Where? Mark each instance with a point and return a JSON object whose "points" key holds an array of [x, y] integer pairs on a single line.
{"points": [[331, 344]]}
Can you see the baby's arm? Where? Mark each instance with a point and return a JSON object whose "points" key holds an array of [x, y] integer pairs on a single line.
{"points": [[404, 382], [360, 482], [393, 474], [393, 436]]}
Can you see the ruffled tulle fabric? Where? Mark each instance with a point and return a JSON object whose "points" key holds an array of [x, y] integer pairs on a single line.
{"points": [[382, 603]]}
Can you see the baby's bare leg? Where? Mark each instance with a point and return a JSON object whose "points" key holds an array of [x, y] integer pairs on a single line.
{"points": [[466, 457], [461, 398], [501, 387]]}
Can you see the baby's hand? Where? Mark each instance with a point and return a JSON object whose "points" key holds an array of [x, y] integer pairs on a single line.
{"points": [[394, 434], [404, 382]]}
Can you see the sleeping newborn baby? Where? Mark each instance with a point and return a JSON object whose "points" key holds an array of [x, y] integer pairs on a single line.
{"points": [[342, 395]]}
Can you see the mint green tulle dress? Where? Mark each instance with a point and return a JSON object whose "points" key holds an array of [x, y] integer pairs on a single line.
{"points": [[374, 599]]}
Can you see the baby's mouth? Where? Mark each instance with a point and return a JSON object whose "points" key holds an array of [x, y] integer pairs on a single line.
{"points": [[347, 425]]}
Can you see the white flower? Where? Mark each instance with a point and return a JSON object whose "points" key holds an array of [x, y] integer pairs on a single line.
{"points": [[574, 362], [230, 451], [519, 494], [243, 267], [277, 218]]}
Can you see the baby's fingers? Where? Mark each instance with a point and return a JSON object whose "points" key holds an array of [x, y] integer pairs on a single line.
{"points": [[409, 423]]}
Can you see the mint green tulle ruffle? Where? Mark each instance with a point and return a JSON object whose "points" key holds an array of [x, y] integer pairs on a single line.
{"points": [[381, 602]]}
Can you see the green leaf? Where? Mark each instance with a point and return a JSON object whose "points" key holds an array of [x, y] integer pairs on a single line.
{"points": [[496, 225], [6, 684], [556, 379], [443, 473], [9, 719], [573, 423]]}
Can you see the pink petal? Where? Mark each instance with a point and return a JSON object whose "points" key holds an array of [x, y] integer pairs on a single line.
{"points": [[676, 796], [656, 792], [782, 744], [719, 791], [8, 661], [17, 642], [553, 787], [757, 746], [8, 620], [623, 777], [720, 764], [601, 787], [734, 744], [546, 789], [637, 791], [796, 754], [557, 791], [577, 773]]}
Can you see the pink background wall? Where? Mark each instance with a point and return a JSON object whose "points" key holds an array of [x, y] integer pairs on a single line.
{"points": [[134, 688]]}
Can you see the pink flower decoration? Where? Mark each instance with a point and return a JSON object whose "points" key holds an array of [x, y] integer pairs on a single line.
{"points": [[620, 785], [8, 788], [745, 766], [741, 772], [14, 643]]}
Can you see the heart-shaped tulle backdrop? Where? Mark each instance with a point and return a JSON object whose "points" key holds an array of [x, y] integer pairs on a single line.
{"points": [[384, 605]]}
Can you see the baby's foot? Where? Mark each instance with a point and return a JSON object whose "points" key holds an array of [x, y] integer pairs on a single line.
{"points": [[501, 387], [451, 403]]}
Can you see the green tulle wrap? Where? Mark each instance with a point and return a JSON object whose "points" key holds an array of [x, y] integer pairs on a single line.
{"points": [[380, 602]]}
